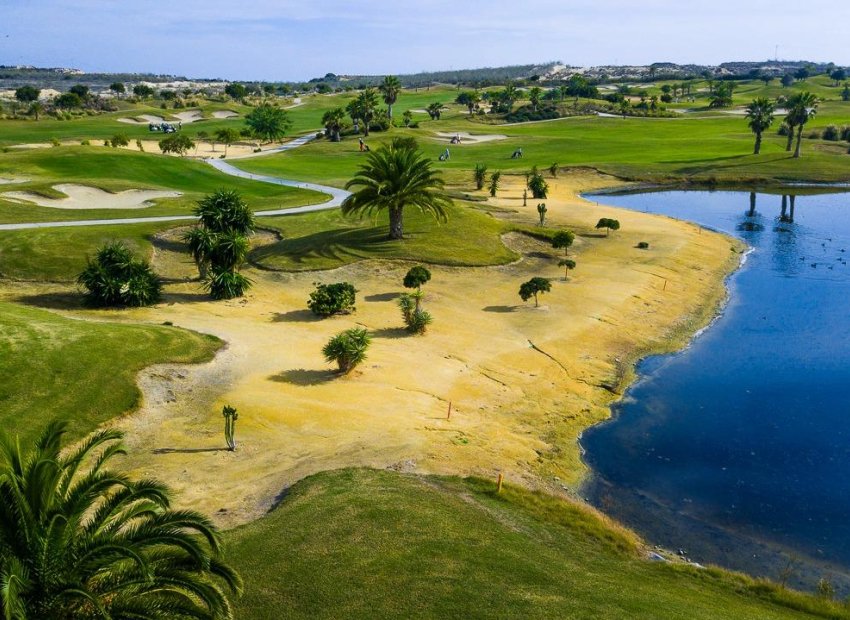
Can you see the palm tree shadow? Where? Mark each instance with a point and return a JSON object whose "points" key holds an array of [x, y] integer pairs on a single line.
{"points": [[501, 309], [390, 332], [341, 244], [55, 301], [186, 450], [302, 376]]}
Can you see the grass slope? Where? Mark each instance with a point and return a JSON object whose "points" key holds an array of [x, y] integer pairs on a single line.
{"points": [[85, 372], [115, 170], [376, 544]]}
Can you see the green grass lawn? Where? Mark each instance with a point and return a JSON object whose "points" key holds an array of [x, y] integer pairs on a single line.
{"points": [[115, 170], [376, 544], [80, 371], [326, 240]]}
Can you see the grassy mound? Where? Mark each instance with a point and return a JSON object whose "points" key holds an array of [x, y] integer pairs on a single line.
{"points": [[82, 371], [376, 544]]}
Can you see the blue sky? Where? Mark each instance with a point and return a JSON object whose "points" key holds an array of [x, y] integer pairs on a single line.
{"points": [[297, 40]]}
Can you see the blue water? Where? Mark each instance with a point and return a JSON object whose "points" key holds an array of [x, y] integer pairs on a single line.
{"points": [[737, 450]]}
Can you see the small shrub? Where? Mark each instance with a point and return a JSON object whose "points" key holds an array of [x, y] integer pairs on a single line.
{"points": [[416, 277], [783, 130], [814, 135], [538, 185], [347, 349], [55, 142], [85, 143], [226, 284], [119, 139], [845, 134], [825, 589], [609, 224], [328, 299], [415, 318], [831, 133], [117, 278], [643, 245]]}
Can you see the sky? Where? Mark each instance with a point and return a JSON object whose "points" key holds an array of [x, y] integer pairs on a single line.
{"points": [[294, 40]]}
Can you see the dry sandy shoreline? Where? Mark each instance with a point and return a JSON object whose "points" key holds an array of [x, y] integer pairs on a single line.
{"points": [[523, 382]]}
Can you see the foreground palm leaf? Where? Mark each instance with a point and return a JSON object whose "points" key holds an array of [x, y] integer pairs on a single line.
{"points": [[394, 177], [79, 541]]}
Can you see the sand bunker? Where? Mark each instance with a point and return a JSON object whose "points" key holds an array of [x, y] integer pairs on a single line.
{"points": [[191, 116], [84, 197], [224, 114], [142, 119], [5, 181], [468, 138]]}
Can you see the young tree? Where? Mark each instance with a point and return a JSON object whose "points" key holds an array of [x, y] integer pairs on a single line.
{"points": [[230, 416], [608, 224], [479, 174], [390, 88], [82, 541], [236, 91], [759, 119], [119, 139], [81, 90], [394, 177], [563, 239], [226, 136], [416, 277], [268, 122], [118, 88], [177, 143], [553, 170], [435, 110], [35, 109], [407, 118], [470, 99], [494, 183], [117, 278], [27, 94], [143, 91], [416, 320], [567, 264], [533, 288], [787, 80], [347, 349], [541, 211]]}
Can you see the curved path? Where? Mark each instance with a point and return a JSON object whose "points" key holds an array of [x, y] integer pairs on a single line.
{"points": [[336, 195]]}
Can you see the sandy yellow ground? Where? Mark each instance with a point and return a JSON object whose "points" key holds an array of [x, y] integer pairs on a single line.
{"points": [[523, 382]]}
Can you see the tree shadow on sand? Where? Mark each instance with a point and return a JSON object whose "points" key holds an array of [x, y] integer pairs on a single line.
{"points": [[186, 450], [55, 301], [302, 376], [390, 332], [501, 309], [383, 296], [296, 316]]}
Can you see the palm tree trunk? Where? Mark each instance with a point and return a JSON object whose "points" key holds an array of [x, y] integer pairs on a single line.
{"points": [[752, 204], [758, 144], [799, 139], [396, 223], [790, 139], [390, 111]]}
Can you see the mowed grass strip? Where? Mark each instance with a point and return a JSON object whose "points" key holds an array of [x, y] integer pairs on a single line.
{"points": [[80, 371], [376, 544]]}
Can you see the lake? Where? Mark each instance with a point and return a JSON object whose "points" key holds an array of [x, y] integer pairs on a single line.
{"points": [[736, 451]]}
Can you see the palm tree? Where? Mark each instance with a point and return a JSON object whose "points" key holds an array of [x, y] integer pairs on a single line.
{"points": [[367, 103], [36, 108], [223, 211], [534, 95], [802, 107], [435, 110], [332, 120], [390, 88], [396, 176], [760, 118], [80, 541]]}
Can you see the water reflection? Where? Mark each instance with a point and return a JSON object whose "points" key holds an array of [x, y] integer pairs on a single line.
{"points": [[737, 449]]}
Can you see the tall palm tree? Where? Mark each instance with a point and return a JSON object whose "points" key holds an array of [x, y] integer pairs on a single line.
{"points": [[367, 103], [390, 88], [534, 95], [396, 176], [760, 118], [802, 107], [80, 541]]}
